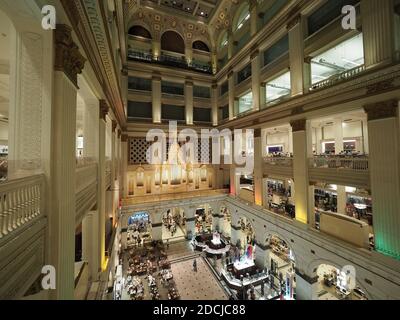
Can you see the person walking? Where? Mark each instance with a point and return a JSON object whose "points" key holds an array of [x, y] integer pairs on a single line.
{"points": [[195, 265]]}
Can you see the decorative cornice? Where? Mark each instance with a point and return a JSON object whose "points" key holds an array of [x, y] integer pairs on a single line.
{"points": [[298, 125], [104, 109], [382, 110], [254, 54], [67, 56], [380, 86]]}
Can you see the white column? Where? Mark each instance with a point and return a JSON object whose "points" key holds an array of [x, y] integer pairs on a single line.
{"points": [[306, 287], [318, 140], [231, 93], [302, 150], [62, 215], [124, 164], [90, 242], [28, 60], [258, 168], [253, 17], [341, 199], [384, 163], [378, 31], [156, 48], [255, 79], [90, 129], [189, 102], [214, 104], [338, 129], [156, 98], [299, 70], [101, 184], [262, 253]]}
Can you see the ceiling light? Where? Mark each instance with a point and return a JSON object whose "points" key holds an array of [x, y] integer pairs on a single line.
{"points": [[202, 13]]}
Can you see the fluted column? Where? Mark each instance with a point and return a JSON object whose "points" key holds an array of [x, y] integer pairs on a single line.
{"points": [[384, 163], [258, 168], [90, 242], [378, 31], [90, 129], [68, 63], [231, 86], [189, 102], [124, 178], [255, 79], [302, 150], [113, 153], [300, 71], [156, 98], [101, 184], [214, 104]]}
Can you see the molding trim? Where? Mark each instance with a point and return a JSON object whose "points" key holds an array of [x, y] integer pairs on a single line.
{"points": [[382, 110]]}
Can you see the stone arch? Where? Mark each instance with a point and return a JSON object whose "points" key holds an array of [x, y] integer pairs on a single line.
{"points": [[141, 31], [136, 21], [313, 266], [172, 40], [199, 43], [283, 238]]}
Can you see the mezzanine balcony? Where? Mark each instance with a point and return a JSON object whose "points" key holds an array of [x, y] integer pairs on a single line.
{"points": [[278, 165], [342, 170]]}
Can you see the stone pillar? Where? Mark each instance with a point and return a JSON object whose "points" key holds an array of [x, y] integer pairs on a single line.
{"points": [[231, 93], [384, 163], [235, 234], [365, 136], [189, 102], [318, 140], [306, 287], [156, 98], [258, 168], [262, 256], [378, 31], [156, 225], [90, 242], [214, 104], [214, 61], [28, 72], [124, 164], [90, 129], [190, 222], [302, 150], [215, 208], [124, 87], [299, 70], [156, 49], [101, 183], [189, 54], [338, 129], [255, 79], [67, 64], [341, 199]]}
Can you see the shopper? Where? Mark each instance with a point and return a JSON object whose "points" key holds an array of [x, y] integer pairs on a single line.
{"points": [[195, 265]]}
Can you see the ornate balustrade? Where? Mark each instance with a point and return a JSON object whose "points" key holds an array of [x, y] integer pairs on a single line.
{"points": [[21, 201], [345, 75], [338, 162], [279, 161]]}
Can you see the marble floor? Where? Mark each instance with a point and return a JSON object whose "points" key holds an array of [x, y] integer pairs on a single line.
{"points": [[200, 285]]}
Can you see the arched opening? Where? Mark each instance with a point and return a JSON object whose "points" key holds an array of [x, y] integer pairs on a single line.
{"points": [[7, 31], [247, 233], [174, 225], [139, 230], [203, 219], [338, 284], [201, 46], [139, 31], [172, 41]]}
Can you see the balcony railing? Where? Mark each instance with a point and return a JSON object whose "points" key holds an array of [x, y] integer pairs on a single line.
{"points": [[85, 161], [279, 161], [338, 162], [338, 78], [169, 60], [21, 201]]}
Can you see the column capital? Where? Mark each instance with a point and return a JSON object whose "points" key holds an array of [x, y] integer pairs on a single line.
{"points": [[293, 21], [156, 77], [214, 86], [114, 125], [252, 4], [189, 82], [230, 74], [382, 110], [119, 133], [254, 54], [257, 133], [298, 125], [104, 109], [124, 138], [68, 59]]}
